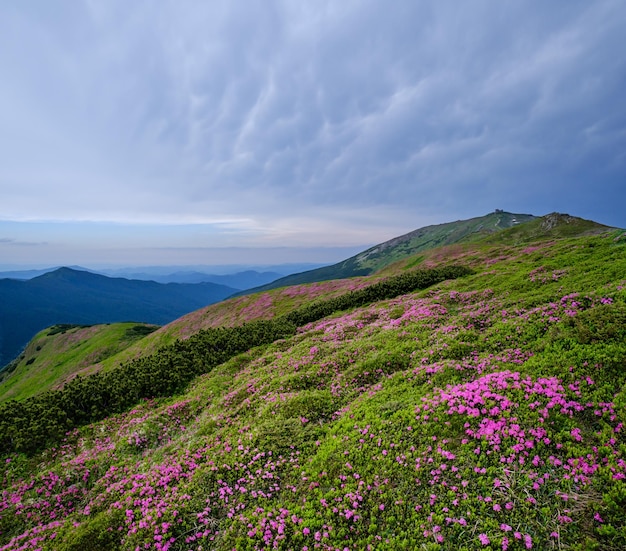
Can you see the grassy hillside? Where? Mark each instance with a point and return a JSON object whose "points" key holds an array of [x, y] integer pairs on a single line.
{"points": [[497, 229], [90, 353], [58, 352], [485, 412], [235, 311], [378, 257]]}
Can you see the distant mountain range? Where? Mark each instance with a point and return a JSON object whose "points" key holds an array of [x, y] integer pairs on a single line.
{"points": [[32, 273], [238, 280], [71, 296]]}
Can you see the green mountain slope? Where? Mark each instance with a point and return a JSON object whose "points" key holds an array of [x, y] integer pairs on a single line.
{"points": [[275, 302], [484, 412], [105, 347], [55, 354], [429, 237]]}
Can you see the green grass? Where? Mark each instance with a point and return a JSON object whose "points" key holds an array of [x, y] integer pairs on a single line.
{"points": [[58, 353]]}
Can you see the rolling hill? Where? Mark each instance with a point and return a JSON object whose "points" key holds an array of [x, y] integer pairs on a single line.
{"points": [[423, 239], [55, 354], [417, 408], [77, 297]]}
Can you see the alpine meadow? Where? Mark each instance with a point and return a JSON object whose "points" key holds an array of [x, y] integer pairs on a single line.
{"points": [[453, 395]]}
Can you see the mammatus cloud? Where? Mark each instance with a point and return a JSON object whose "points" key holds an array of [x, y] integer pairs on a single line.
{"points": [[327, 122]]}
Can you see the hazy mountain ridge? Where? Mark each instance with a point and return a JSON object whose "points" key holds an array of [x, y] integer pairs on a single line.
{"points": [[238, 277], [80, 297], [33, 273], [494, 401], [238, 280]]}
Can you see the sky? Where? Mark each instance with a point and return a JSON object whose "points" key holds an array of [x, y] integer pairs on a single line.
{"points": [[263, 131]]}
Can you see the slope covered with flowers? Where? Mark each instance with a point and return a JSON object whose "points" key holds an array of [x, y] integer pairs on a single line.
{"points": [[233, 312], [484, 413]]}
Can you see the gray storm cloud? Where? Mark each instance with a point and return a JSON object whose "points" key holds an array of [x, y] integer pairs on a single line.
{"points": [[306, 117]]}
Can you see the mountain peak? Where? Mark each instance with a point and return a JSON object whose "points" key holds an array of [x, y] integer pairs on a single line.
{"points": [[554, 219], [552, 225], [65, 272], [429, 237]]}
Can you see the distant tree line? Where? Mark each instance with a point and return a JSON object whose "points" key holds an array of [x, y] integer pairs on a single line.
{"points": [[31, 425]]}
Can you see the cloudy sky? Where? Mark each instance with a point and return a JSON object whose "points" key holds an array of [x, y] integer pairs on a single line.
{"points": [[195, 132]]}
